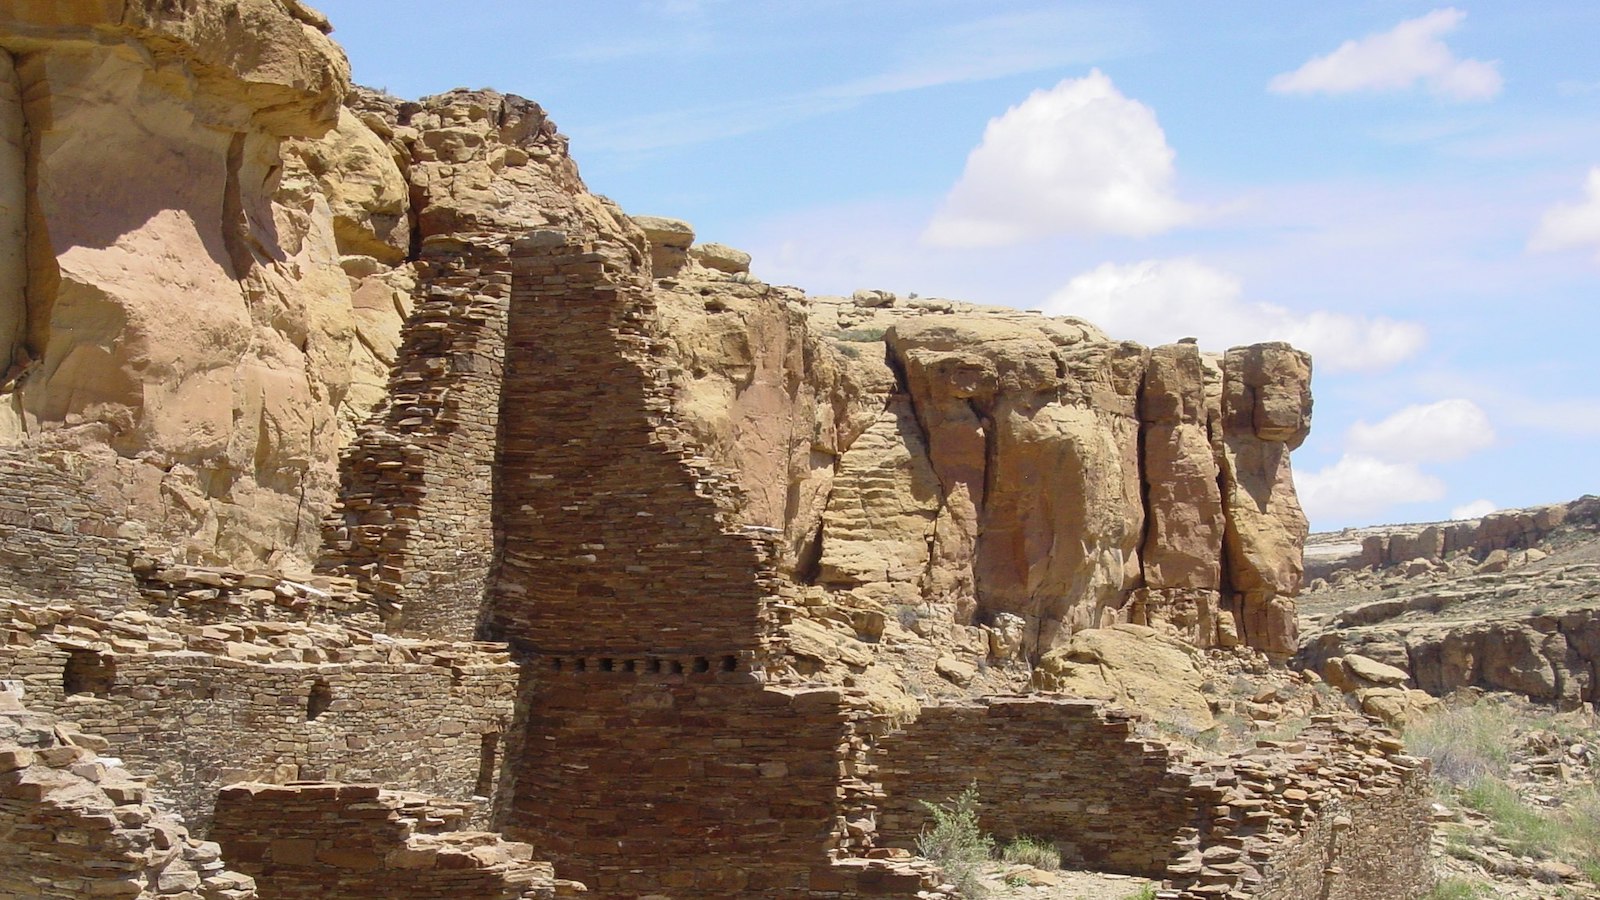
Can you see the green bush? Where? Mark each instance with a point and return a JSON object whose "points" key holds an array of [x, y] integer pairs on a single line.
{"points": [[1031, 851], [955, 841]]}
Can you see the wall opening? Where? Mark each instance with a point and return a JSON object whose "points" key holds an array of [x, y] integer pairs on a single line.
{"points": [[488, 758], [319, 700], [88, 672]]}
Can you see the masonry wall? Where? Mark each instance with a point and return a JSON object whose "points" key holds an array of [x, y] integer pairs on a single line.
{"points": [[1360, 848], [1067, 771], [195, 708], [78, 826], [615, 537], [357, 842], [713, 786], [58, 537], [412, 524]]}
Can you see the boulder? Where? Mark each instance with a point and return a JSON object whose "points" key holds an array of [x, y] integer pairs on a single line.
{"points": [[1132, 665], [720, 257], [670, 240]]}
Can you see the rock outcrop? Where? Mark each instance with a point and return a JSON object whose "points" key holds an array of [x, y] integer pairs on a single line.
{"points": [[1504, 603], [709, 531], [183, 316]]}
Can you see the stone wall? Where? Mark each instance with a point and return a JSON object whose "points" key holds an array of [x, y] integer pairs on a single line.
{"points": [[715, 786], [1339, 812], [195, 707], [356, 842], [58, 536], [1360, 848], [77, 826], [1069, 772], [412, 525], [615, 537]]}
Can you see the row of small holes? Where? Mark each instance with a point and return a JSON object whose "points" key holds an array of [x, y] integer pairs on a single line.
{"points": [[651, 666]]}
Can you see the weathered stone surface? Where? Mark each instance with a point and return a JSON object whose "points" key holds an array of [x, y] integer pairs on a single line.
{"points": [[1129, 664], [1266, 412], [720, 257], [365, 189], [184, 299]]}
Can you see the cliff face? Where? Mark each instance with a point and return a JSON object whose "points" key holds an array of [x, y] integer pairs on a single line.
{"points": [[172, 301], [221, 269], [998, 468]]}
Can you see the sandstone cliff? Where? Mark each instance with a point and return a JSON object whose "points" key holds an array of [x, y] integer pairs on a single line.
{"points": [[229, 270]]}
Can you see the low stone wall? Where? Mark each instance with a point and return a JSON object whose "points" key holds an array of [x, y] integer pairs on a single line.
{"points": [[78, 827], [715, 786], [357, 842], [196, 707], [1339, 813], [1066, 771], [1359, 848]]}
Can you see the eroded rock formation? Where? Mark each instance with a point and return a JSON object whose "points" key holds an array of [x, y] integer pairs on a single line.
{"points": [[712, 530]]}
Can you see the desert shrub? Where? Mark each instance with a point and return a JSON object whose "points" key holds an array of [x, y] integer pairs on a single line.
{"points": [[1032, 851], [1466, 743], [1458, 889], [860, 335], [1148, 892], [955, 841], [907, 615]]}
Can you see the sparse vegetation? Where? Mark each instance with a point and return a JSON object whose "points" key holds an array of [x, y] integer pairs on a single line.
{"points": [[1458, 889], [1465, 743], [955, 841], [1471, 748], [860, 335], [1148, 892], [1031, 851]]}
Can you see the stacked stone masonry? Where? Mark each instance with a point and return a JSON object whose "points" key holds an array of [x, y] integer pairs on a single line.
{"points": [[1339, 813], [602, 502], [319, 841], [412, 524], [77, 826], [196, 707], [1067, 770], [717, 786]]}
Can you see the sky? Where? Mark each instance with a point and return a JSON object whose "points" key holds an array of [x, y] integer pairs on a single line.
{"points": [[1409, 191]]}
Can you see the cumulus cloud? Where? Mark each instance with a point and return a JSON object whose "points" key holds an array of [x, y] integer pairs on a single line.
{"points": [[1477, 509], [1079, 158], [1161, 300], [1360, 486], [1434, 432], [1408, 54], [1569, 225]]}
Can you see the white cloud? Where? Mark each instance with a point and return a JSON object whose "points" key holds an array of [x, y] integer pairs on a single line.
{"points": [[1434, 432], [1077, 158], [1161, 300], [1477, 509], [1360, 486], [1569, 225], [1398, 59]]}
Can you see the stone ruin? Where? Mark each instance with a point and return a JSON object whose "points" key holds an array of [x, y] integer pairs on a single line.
{"points": [[501, 545]]}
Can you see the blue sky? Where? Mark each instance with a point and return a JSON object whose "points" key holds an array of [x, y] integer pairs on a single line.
{"points": [[1402, 188]]}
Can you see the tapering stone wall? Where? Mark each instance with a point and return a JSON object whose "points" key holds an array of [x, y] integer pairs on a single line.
{"points": [[615, 537], [413, 522]]}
